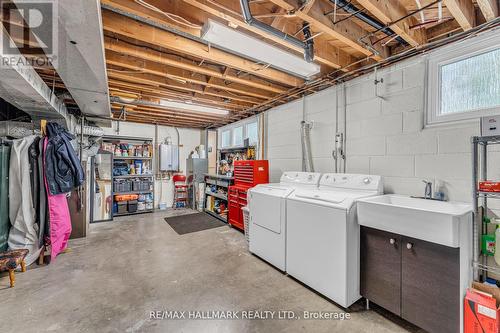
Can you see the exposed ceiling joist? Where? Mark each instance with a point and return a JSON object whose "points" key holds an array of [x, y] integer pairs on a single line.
{"points": [[160, 121], [130, 28], [462, 11], [158, 81], [346, 31], [144, 90], [161, 111], [136, 9], [146, 66], [325, 53], [489, 8], [162, 58], [388, 11]]}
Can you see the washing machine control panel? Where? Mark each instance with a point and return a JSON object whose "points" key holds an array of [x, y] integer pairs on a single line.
{"points": [[299, 177], [351, 181]]}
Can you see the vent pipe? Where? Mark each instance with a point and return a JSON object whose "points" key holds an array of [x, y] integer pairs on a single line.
{"points": [[305, 133], [307, 45]]}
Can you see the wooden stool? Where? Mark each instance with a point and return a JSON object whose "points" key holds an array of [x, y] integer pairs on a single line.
{"points": [[9, 260]]}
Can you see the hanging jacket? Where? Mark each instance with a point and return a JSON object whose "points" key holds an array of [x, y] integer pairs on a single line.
{"points": [[63, 169]]}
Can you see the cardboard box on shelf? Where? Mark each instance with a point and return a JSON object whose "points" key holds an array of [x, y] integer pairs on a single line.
{"points": [[481, 309]]}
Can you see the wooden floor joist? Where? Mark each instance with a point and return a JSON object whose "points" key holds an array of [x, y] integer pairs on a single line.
{"points": [[388, 11], [141, 90], [324, 53], [462, 11], [122, 25], [346, 32], [161, 58], [154, 80], [147, 66]]}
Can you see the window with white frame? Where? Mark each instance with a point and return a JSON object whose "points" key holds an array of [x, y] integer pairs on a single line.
{"points": [[252, 133], [233, 135], [238, 136], [226, 138], [464, 81]]}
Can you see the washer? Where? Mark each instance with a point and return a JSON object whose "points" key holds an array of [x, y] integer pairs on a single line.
{"points": [[267, 232], [322, 239]]}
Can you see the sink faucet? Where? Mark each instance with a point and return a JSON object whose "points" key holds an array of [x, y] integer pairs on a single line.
{"points": [[428, 189]]}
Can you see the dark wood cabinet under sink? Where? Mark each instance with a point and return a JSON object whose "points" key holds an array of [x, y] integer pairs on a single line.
{"points": [[416, 280]]}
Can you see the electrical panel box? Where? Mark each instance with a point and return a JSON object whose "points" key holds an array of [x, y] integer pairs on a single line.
{"points": [[169, 157], [490, 125]]}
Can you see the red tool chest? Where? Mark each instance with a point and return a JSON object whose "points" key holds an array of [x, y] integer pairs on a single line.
{"points": [[247, 174]]}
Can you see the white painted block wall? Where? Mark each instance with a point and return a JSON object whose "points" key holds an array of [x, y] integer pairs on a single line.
{"points": [[385, 135], [284, 149], [189, 139]]}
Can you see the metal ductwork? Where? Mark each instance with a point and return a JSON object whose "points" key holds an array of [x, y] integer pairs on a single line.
{"points": [[17, 129], [90, 131], [307, 45], [305, 133], [351, 9]]}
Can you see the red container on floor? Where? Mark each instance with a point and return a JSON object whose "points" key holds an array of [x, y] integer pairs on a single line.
{"points": [[247, 174], [481, 310]]}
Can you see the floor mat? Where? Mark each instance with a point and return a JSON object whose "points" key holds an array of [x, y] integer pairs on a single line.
{"points": [[185, 224]]}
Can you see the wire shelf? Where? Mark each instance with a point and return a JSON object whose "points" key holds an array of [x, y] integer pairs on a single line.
{"points": [[486, 268]]}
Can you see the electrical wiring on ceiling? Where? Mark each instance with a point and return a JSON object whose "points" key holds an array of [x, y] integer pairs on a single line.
{"points": [[173, 17]]}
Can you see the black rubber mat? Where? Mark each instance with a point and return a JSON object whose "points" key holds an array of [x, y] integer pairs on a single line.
{"points": [[185, 224]]}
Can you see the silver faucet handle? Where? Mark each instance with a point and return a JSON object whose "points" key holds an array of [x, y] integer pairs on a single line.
{"points": [[426, 182]]}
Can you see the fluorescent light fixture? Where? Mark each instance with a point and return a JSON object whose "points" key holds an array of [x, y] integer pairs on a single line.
{"points": [[253, 48], [193, 107]]}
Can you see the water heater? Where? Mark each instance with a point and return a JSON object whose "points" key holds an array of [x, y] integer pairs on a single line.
{"points": [[169, 157]]}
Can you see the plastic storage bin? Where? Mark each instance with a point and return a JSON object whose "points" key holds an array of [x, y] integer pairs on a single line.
{"points": [[120, 186], [132, 206], [136, 185], [122, 207]]}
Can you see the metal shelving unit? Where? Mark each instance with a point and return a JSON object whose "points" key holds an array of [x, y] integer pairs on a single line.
{"points": [[133, 176], [480, 203], [216, 215], [219, 181], [134, 213], [136, 141], [217, 195], [133, 192], [133, 158]]}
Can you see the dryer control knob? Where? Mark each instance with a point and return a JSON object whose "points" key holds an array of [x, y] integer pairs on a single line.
{"points": [[367, 180]]}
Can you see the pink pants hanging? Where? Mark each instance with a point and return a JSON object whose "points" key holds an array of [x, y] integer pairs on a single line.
{"points": [[60, 220]]}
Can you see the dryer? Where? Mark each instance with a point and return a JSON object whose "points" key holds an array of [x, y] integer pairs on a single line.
{"points": [[267, 204], [322, 238]]}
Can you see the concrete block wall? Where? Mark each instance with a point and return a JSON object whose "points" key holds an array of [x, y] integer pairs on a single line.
{"points": [[385, 134], [189, 139], [284, 149]]}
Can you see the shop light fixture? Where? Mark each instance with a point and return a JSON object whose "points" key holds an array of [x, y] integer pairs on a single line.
{"points": [[193, 107], [255, 49]]}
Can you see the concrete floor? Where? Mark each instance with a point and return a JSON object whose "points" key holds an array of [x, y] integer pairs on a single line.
{"points": [[113, 279]]}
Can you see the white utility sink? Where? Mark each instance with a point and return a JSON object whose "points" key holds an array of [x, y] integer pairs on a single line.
{"points": [[430, 220]]}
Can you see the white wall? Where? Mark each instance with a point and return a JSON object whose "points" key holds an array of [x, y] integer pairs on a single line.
{"points": [[189, 139], [384, 135], [284, 150]]}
